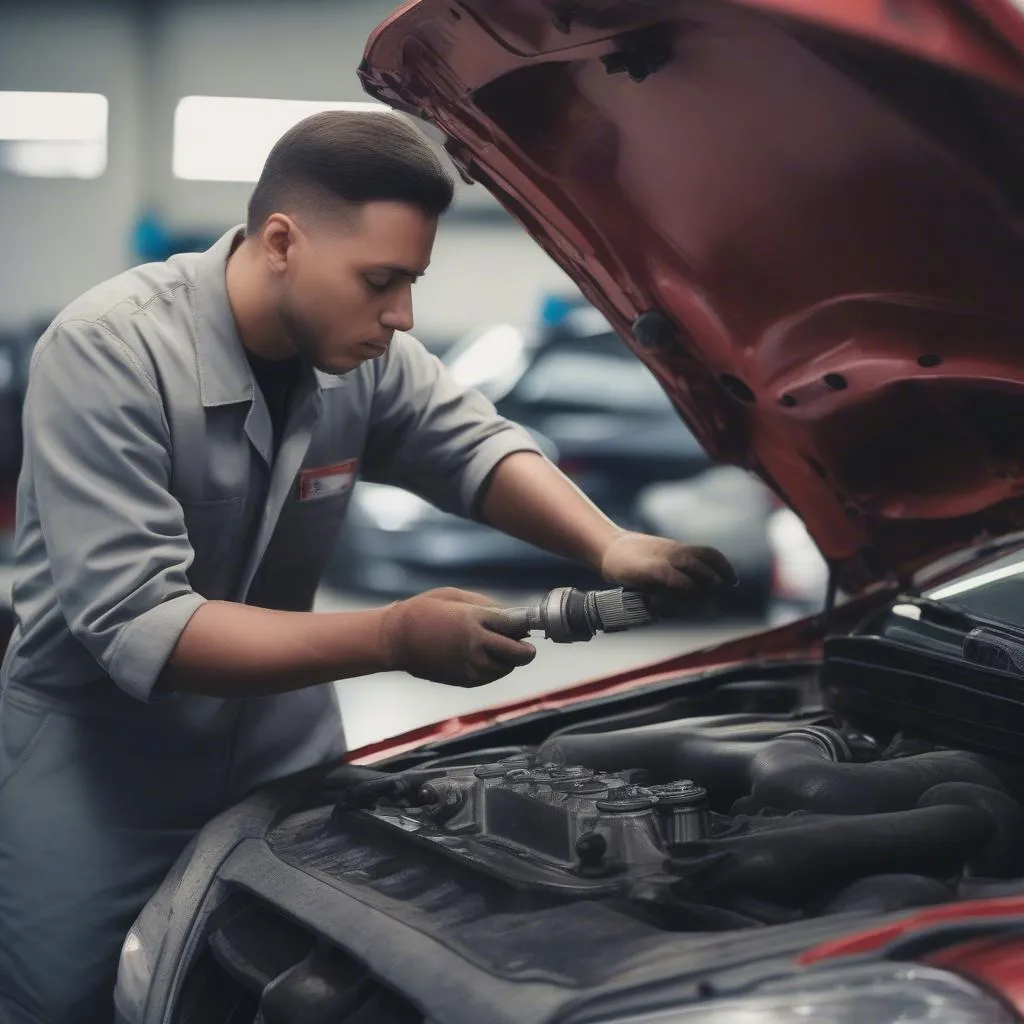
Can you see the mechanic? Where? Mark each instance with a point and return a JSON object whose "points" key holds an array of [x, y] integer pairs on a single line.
{"points": [[193, 430]]}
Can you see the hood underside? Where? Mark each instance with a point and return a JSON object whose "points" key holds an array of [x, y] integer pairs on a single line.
{"points": [[810, 232]]}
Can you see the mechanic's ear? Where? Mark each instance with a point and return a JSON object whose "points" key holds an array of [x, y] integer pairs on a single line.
{"points": [[277, 238]]}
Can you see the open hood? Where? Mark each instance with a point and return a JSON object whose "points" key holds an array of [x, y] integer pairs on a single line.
{"points": [[804, 216]]}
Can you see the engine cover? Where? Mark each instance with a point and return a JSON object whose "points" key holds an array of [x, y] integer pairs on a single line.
{"points": [[550, 826]]}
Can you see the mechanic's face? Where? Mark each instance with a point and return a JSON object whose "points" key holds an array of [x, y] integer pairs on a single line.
{"points": [[346, 285]]}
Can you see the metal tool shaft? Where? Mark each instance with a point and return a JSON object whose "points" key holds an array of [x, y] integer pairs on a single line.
{"points": [[568, 615]]}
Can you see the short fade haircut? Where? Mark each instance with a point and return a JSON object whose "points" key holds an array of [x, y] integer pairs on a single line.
{"points": [[354, 158]]}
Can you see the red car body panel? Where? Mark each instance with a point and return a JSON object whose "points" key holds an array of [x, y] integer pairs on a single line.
{"points": [[873, 939], [996, 963], [819, 208], [816, 200]]}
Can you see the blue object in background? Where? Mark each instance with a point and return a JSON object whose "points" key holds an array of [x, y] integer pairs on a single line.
{"points": [[153, 242], [555, 308]]}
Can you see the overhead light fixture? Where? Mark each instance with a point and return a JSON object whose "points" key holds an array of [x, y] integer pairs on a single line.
{"points": [[228, 138], [53, 134]]}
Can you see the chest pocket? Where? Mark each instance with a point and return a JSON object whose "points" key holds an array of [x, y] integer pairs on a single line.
{"points": [[214, 531]]}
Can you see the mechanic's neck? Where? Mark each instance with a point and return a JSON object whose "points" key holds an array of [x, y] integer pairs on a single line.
{"points": [[250, 296]]}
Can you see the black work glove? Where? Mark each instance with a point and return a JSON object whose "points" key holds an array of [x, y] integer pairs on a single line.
{"points": [[451, 636], [671, 574]]}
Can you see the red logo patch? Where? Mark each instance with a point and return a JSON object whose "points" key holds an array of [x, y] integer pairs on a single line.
{"points": [[327, 481]]}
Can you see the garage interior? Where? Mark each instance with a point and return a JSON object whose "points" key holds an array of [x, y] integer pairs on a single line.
{"points": [[174, 105]]}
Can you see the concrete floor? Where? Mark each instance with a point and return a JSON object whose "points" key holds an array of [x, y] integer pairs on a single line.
{"points": [[392, 703]]}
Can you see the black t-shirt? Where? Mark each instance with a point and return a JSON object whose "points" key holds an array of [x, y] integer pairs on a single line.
{"points": [[276, 379]]}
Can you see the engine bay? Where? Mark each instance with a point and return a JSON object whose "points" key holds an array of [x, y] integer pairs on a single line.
{"points": [[754, 818], [650, 839]]}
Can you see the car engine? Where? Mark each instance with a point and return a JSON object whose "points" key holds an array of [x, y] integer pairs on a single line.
{"points": [[650, 846], [765, 817]]}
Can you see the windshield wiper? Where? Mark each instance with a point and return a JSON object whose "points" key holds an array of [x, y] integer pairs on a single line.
{"points": [[995, 647], [985, 643], [939, 612]]}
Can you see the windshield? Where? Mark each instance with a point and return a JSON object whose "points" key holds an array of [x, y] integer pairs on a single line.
{"points": [[993, 592], [563, 372], [603, 377]]}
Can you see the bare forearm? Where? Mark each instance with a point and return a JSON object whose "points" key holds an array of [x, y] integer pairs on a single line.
{"points": [[529, 498], [233, 650]]}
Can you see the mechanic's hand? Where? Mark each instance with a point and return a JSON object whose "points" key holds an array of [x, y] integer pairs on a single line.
{"points": [[446, 636], [672, 573]]}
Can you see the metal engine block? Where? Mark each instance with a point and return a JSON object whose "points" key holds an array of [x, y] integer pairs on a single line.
{"points": [[551, 825]]}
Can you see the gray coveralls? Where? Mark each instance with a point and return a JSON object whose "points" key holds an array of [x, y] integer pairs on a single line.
{"points": [[150, 485]]}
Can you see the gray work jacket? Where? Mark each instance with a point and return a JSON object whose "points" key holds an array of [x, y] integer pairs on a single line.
{"points": [[149, 486]]}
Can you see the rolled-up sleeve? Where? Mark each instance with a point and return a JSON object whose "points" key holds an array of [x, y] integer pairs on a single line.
{"points": [[97, 449], [432, 436]]}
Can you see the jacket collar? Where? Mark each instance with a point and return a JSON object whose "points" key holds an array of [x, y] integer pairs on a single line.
{"points": [[225, 376]]}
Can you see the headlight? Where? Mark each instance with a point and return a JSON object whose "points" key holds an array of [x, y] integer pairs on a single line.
{"points": [[881, 993], [134, 978], [391, 508]]}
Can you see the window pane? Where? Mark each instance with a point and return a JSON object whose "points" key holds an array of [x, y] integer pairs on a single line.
{"points": [[227, 138]]}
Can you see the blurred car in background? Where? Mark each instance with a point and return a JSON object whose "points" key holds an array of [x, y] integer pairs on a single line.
{"points": [[800, 573], [15, 352], [726, 508], [597, 412]]}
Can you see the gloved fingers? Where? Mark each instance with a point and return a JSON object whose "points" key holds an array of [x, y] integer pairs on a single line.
{"points": [[491, 672], [666, 579], [506, 622], [704, 564], [485, 669], [685, 572], [508, 651], [457, 596]]}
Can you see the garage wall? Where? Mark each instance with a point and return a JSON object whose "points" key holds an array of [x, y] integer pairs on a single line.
{"points": [[310, 50], [62, 236]]}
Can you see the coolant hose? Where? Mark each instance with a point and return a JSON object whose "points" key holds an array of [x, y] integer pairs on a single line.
{"points": [[859, 788], [1004, 855], [719, 753], [796, 865], [882, 894], [750, 763]]}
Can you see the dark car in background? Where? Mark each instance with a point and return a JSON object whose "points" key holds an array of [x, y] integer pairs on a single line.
{"points": [[597, 412], [15, 352]]}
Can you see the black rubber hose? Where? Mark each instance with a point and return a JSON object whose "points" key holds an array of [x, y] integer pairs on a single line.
{"points": [[780, 783], [1004, 856], [988, 888], [797, 866], [751, 763], [882, 894], [715, 752]]}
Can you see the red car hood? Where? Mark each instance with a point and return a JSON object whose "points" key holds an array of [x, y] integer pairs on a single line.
{"points": [[803, 216]]}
